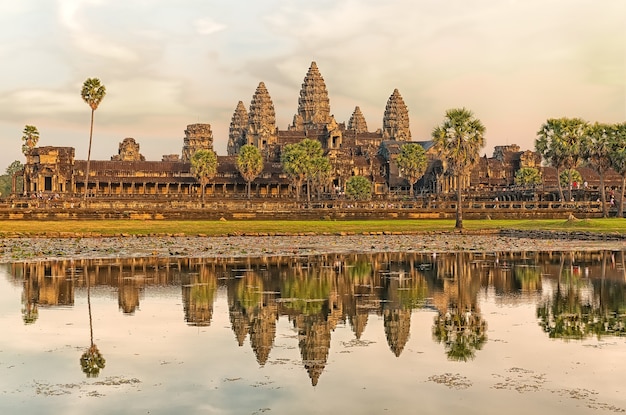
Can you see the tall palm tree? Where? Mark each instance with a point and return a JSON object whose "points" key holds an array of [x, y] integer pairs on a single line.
{"points": [[93, 93], [91, 361], [458, 140], [249, 164]]}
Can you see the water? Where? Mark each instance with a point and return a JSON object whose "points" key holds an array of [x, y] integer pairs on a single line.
{"points": [[492, 333]]}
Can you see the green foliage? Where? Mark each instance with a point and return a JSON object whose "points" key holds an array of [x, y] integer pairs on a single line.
{"points": [[305, 161], [204, 165], [14, 167], [6, 180], [249, 163], [93, 92], [92, 361], [308, 296], [528, 176], [570, 176], [30, 138], [412, 163], [359, 188]]}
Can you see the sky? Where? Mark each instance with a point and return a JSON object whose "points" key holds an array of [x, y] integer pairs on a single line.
{"points": [[170, 63]]}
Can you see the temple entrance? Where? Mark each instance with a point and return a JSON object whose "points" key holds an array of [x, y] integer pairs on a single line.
{"points": [[47, 184]]}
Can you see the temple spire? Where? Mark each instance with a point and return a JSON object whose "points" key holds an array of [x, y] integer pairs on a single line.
{"points": [[237, 130], [357, 121], [313, 104], [396, 119], [261, 119]]}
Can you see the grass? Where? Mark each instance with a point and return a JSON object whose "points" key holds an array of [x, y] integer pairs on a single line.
{"points": [[211, 228]]}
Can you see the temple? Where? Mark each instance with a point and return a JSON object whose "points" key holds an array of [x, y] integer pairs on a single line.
{"points": [[351, 148]]}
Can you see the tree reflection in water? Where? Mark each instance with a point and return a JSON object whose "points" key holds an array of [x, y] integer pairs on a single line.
{"points": [[92, 361], [459, 325], [576, 294], [580, 308]]}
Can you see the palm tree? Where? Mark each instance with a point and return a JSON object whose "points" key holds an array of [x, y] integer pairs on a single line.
{"points": [[293, 160], [561, 142], [618, 159], [412, 163], [249, 164], [204, 167], [93, 93], [30, 137], [92, 361], [459, 140], [597, 154]]}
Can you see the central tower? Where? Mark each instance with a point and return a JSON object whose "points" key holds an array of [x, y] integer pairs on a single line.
{"points": [[313, 104]]}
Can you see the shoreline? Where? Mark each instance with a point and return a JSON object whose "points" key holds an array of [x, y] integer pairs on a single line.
{"points": [[43, 248]]}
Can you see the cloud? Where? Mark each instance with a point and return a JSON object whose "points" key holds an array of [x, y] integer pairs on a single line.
{"points": [[207, 26], [82, 29]]}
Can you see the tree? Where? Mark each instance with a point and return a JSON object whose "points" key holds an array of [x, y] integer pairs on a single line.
{"points": [[597, 153], [314, 153], [561, 141], [412, 163], [6, 180], [204, 167], [458, 140], [359, 188], [618, 159], [293, 160], [249, 164], [93, 93], [321, 173], [528, 176], [568, 177], [305, 161], [30, 137]]}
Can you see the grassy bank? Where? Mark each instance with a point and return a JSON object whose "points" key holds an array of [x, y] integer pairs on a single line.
{"points": [[190, 227]]}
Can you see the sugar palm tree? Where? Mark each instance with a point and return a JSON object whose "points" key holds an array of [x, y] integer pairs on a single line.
{"points": [[598, 156], [91, 361], [93, 93], [249, 164], [30, 137], [204, 167], [458, 140], [618, 159], [561, 142]]}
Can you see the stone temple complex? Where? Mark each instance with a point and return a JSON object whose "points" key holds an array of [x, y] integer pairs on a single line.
{"points": [[351, 148]]}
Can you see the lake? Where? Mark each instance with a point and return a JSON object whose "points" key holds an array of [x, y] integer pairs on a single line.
{"points": [[388, 333]]}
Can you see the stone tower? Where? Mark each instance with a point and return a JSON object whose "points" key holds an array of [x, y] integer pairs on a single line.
{"points": [[396, 119], [261, 131], [313, 104], [197, 137], [357, 121], [237, 131], [128, 151]]}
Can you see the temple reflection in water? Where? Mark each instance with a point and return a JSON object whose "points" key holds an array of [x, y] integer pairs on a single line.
{"points": [[578, 294]]}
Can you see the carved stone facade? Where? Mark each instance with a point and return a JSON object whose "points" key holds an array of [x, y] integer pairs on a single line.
{"points": [[197, 137], [261, 131], [237, 130], [128, 151], [396, 119]]}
